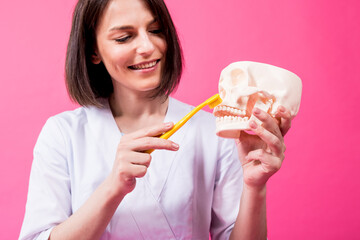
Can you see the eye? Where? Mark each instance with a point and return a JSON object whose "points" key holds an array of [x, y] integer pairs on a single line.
{"points": [[156, 31], [122, 39]]}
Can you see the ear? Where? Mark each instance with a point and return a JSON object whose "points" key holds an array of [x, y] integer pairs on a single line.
{"points": [[95, 58]]}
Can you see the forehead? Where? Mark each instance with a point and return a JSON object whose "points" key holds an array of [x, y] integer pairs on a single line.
{"points": [[124, 12]]}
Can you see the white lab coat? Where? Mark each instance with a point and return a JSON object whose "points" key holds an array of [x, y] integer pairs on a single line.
{"points": [[184, 195]]}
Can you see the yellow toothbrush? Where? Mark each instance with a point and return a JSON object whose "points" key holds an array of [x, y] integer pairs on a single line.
{"points": [[211, 102]]}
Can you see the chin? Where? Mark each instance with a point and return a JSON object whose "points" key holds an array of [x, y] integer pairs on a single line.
{"points": [[150, 86]]}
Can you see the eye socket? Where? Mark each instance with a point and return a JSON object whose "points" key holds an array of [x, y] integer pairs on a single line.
{"points": [[222, 93], [237, 76]]}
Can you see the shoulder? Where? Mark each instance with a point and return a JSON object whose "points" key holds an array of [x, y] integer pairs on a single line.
{"points": [[75, 122], [56, 126], [79, 117], [71, 118]]}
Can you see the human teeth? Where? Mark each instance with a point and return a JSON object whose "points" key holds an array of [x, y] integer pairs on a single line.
{"points": [[146, 65]]}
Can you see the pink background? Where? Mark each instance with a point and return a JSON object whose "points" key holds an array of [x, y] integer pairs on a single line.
{"points": [[316, 194]]}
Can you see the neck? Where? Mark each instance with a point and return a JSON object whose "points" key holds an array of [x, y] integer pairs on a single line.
{"points": [[133, 111]]}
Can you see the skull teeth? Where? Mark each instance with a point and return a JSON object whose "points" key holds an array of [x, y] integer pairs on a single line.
{"points": [[231, 119], [226, 110]]}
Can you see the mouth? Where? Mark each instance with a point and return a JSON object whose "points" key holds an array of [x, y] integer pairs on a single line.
{"points": [[145, 65]]}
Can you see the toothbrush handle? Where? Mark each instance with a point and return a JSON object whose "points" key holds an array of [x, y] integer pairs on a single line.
{"points": [[179, 124]]}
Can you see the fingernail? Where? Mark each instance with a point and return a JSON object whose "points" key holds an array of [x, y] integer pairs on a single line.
{"points": [[256, 111], [175, 146], [253, 124], [281, 109], [168, 124]]}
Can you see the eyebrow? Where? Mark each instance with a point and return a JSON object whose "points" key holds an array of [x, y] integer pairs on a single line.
{"points": [[128, 27]]}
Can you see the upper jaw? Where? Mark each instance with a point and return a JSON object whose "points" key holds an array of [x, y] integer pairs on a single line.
{"points": [[224, 110]]}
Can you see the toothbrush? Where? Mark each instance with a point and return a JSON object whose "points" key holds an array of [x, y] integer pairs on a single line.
{"points": [[211, 102]]}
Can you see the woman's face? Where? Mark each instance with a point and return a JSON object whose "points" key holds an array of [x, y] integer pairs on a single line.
{"points": [[131, 45]]}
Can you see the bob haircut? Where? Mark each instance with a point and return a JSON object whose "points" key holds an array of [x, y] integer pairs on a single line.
{"points": [[86, 82]]}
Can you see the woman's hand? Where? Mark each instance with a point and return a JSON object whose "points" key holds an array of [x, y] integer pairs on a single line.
{"points": [[262, 154], [131, 161]]}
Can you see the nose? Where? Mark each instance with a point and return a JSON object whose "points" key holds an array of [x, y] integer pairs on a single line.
{"points": [[145, 45]]}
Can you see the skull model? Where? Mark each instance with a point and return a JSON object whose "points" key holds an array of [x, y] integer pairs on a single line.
{"points": [[245, 85]]}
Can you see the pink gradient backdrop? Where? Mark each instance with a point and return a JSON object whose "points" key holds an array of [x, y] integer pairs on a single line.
{"points": [[316, 194]]}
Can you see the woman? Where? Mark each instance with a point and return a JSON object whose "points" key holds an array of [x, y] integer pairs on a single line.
{"points": [[91, 177]]}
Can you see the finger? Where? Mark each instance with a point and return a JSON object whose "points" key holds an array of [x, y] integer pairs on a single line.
{"points": [[146, 143], [269, 122], [128, 157], [285, 119], [137, 171], [270, 162], [275, 144], [139, 158], [153, 131]]}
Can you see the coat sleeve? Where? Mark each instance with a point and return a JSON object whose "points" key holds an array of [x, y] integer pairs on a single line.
{"points": [[227, 191], [49, 195]]}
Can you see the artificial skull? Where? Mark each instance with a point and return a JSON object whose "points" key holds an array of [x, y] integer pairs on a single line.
{"points": [[245, 85]]}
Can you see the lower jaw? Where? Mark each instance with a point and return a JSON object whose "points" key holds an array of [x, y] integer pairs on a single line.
{"points": [[233, 128]]}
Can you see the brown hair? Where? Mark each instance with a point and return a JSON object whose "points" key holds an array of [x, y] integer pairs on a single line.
{"points": [[87, 82]]}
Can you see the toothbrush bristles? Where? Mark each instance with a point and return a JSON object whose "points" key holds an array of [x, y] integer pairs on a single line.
{"points": [[216, 100]]}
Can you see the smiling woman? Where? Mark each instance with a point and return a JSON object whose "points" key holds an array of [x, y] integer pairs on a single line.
{"points": [[130, 44], [92, 175], [87, 82]]}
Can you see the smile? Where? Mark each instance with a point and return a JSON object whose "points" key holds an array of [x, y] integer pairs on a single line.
{"points": [[146, 65]]}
